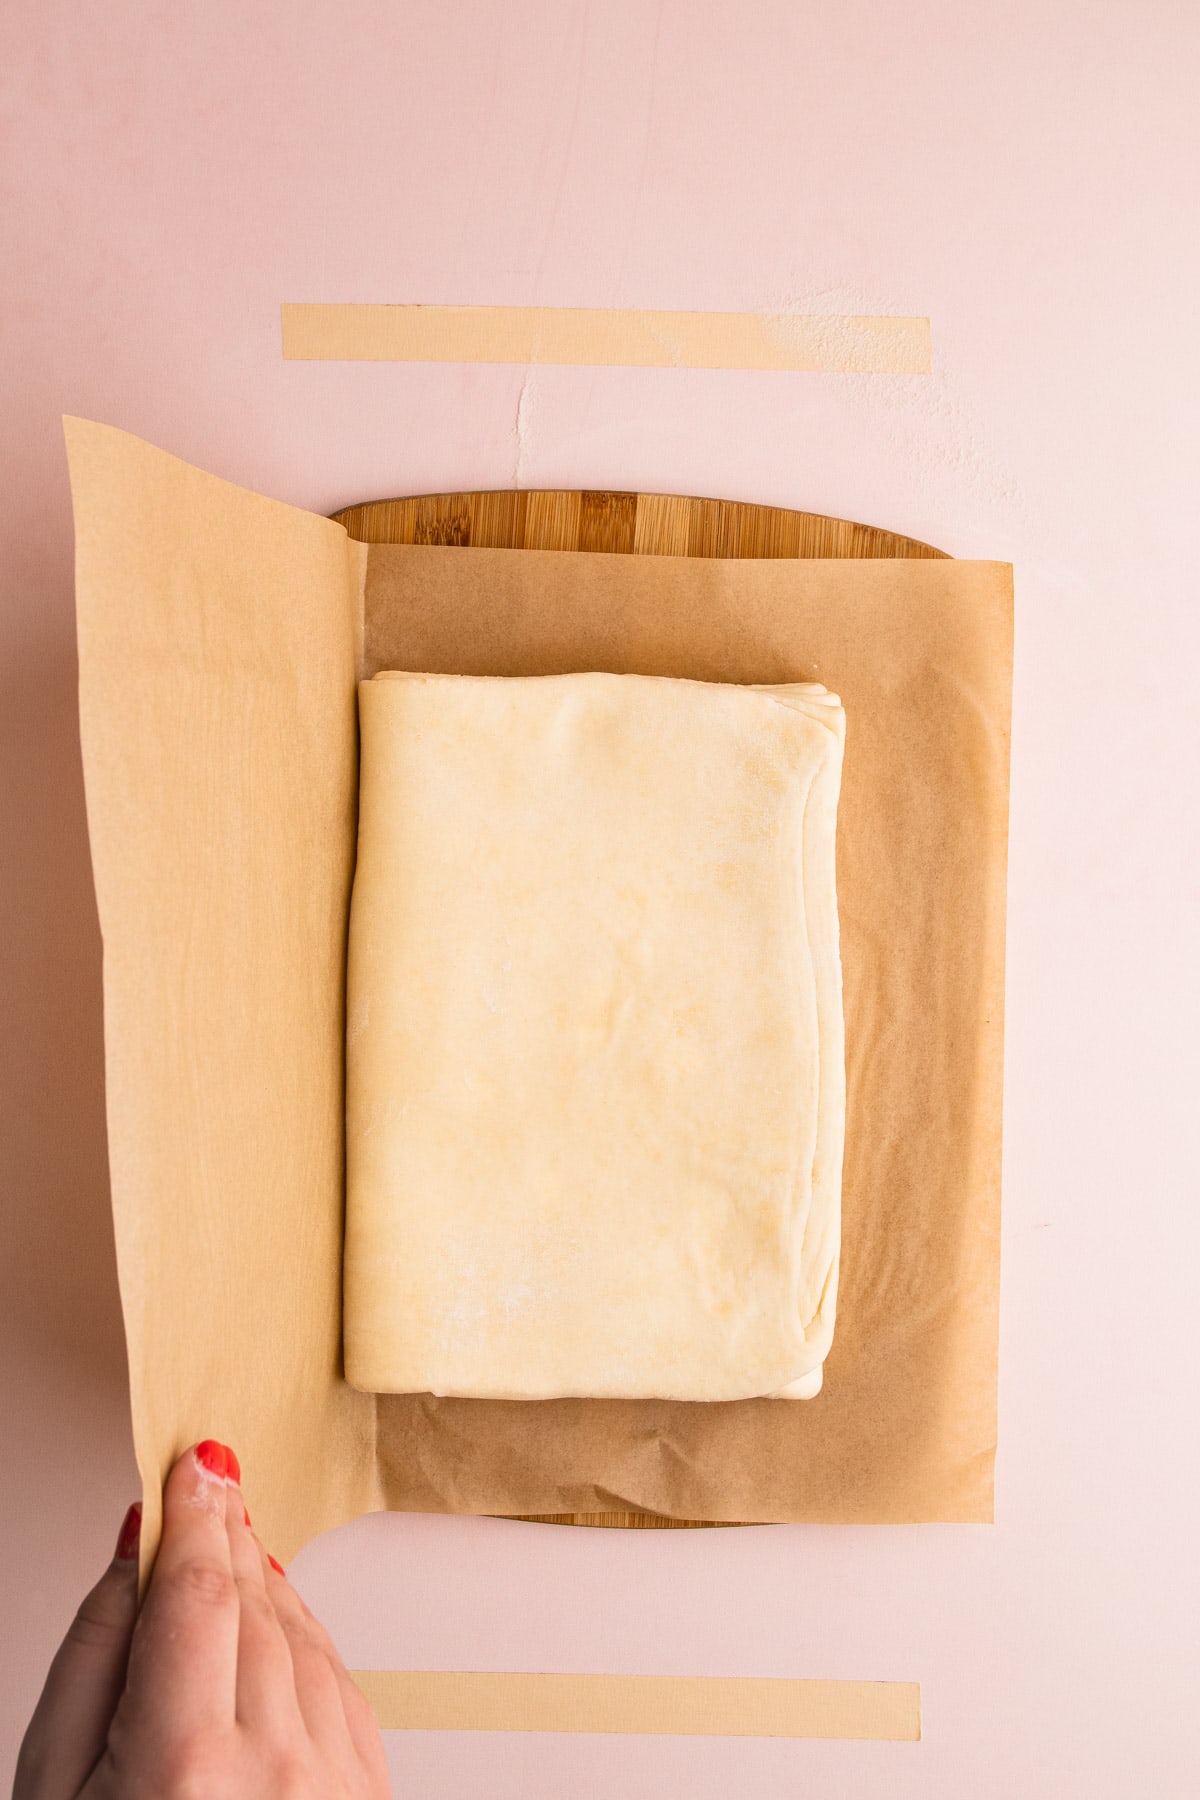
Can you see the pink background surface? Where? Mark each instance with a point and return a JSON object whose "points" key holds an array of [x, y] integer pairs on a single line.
{"points": [[1026, 177]]}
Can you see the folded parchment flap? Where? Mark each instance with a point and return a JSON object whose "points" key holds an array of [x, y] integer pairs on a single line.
{"points": [[218, 647]]}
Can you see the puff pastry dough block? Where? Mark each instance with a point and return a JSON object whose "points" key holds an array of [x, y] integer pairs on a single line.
{"points": [[595, 1073]]}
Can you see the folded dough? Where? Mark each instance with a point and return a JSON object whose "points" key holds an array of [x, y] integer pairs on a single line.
{"points": [[595, 1079]]}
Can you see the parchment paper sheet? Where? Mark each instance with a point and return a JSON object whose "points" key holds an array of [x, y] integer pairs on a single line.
{"points": [[220, 638]]}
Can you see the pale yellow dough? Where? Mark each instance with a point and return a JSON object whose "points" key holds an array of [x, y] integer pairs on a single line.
{"points": [[595, 1075]]}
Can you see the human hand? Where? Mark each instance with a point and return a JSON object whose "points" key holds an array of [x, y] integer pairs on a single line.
{"points": [[223, 1686]]}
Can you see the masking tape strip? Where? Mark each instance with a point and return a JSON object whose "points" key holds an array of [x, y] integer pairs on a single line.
{"points": [[592, 335], [679, 1705]]}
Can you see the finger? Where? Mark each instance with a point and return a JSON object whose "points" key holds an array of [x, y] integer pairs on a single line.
{"points": [[245, 1554], [364, 1732], [183, 1658], [70, 1723], [265, 1696], [357, 1712], [360, 1719], [314, 1674]]}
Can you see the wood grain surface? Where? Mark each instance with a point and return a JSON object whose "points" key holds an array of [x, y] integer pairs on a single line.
{"points": [[631, 524], [624, 524]]}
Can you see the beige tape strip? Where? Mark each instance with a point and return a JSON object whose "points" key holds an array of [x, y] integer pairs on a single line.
{"points": [[648, 340], [681, 1705]]}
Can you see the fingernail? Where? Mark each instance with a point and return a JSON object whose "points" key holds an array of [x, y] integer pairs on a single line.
{"points": [[213, 1458], [246, 1516], [219, 1460], [131, 1532], [277, 1566]]}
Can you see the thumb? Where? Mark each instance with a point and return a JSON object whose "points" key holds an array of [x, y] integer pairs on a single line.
{"points": [[69, 1728]]}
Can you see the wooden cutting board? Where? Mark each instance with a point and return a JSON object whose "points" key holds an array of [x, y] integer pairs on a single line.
{"points": [[624, 524], [632, 524]]}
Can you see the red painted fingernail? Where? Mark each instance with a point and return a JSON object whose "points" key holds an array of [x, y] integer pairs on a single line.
{"points": [[131, 1532], [277, 1566], [233, 1467], [213, 1458], [246, 1516]]}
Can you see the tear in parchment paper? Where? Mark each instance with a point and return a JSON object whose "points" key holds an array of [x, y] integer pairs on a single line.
{"points": [[221, 635]]}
